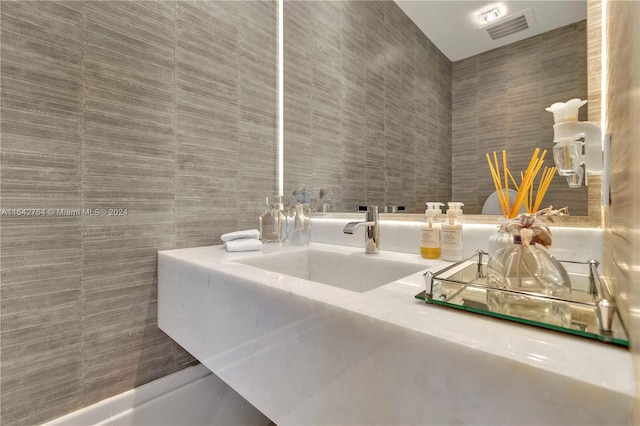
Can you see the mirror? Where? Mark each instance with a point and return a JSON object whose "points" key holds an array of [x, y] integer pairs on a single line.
{"points": [[375, 113]]}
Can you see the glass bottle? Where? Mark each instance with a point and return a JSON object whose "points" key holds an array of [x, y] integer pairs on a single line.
{"points": [[272, 221], [531, 269], [430, 232], [499, 240], [299, 218]]}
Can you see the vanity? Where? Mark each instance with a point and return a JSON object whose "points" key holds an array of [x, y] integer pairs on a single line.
{"points": [[326, 334]]}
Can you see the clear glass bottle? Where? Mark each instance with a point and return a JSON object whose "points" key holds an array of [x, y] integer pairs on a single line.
{"points": [[299, 218], [299, 224], [531, 269], [272, 221], [499, 240], [325, 201], [527, 269]]}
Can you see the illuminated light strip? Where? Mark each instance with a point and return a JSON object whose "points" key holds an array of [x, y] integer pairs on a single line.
{"points": [[603, 105], [603, 69], [280, 97]]}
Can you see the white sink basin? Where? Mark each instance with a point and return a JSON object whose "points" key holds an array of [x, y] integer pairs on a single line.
{"points": [[348, 269]]}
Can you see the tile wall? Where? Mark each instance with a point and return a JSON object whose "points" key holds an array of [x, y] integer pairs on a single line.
{"points": [[495, 98], [163, 109], [367, 105]]}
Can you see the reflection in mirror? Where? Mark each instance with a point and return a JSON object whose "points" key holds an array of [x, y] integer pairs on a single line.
{"points": [[499, 101], [375, 113], [367, 105]]}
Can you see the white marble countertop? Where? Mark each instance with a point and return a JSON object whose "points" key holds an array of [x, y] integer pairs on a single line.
{"points": [[593, 362], [253, 327]]}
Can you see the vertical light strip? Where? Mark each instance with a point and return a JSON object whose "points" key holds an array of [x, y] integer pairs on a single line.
{"points": [[603, 69], [280, 97], [603, 110]]}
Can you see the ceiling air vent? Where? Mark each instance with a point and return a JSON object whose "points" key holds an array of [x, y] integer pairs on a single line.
{"points": [[511, 24]]}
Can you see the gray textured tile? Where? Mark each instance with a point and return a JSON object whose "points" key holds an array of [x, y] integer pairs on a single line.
{"points": [[152, 19], [40, 291], [105, 376], [225, 116], [39, 47], [28, 410], [358, 125], [128, 162], [120, 104]]}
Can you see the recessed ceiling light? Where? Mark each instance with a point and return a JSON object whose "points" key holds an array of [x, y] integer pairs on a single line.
{"points": [[491, 15]]}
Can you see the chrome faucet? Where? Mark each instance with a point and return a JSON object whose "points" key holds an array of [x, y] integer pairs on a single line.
{"points": [[371, 233]]}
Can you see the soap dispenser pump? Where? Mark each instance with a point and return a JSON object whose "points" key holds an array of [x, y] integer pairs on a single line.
{"points": [[430, 232], [451, 233]]}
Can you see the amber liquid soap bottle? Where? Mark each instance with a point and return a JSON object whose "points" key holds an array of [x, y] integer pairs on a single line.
{"points": [[430, 232]]}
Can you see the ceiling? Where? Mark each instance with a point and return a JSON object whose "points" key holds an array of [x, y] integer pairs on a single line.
{"points": [[453, 25]]}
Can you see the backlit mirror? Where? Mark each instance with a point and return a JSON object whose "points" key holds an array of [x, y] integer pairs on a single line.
{"points": [[375, 112]]}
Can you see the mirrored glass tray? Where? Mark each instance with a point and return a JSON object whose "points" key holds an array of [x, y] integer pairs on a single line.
{"points": [[589, 311]]}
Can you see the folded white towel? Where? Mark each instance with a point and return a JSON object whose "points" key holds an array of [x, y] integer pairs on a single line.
{"points": [[244, 245], [237, 235]]}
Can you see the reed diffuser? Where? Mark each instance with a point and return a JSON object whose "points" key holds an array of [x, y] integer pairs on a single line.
{"points": [[519, 259]]}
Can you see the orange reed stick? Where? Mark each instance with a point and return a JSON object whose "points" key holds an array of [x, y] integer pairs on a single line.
{"points": [[506, 181], [501, 196], [512, 179], [496, 183], [545, 185], [524, 186]]}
